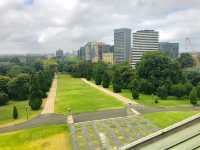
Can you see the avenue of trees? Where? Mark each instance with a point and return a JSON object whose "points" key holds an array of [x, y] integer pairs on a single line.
{"points": [[26, 80], [156, 74]]}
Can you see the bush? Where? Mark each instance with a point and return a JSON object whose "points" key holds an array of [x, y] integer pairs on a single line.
{"points": [[106, 80], [193, 96], [3, 98], [162, 92], [35, 104], [15, 112], [156, 101], [135, 94]]}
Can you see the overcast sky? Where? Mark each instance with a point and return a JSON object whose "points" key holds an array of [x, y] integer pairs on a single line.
{"points": [[41, 26]]}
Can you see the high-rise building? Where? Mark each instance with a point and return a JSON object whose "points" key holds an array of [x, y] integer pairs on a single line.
{"points": [[81, 53], [59, 53], [122, 45], [171, 49], [143, 41], [93, 51]]}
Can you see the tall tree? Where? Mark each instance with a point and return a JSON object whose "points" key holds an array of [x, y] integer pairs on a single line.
{"points": [[186, 60], [106, 80]]}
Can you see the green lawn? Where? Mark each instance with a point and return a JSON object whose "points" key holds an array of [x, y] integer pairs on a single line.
{"points": [[79, 97], [43, 138], [6, 113], [165, 119], [149, 100]]}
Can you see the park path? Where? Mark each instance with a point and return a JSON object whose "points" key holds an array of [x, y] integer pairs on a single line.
{"points": [[108, 92], [50, 101]]}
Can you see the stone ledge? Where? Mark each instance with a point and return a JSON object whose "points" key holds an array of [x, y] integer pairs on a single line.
{"points": [[161, 132]]}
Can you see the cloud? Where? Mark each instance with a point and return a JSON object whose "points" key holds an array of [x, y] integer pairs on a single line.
{"points": [[39, 26]]}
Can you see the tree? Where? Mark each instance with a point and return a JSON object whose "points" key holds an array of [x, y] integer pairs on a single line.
{"points": [[106, 80], [15, 112], [127, 74], [3, 83], [18, 87], [178, 90], [117, 86], [98, 73], [162, 92], [193, 96], [156, 68], [134, 84], [193, 77], [35, 104], [146, 87], [3, 98], [198, 90], [186, 60], [135, 94], [35, 94]]}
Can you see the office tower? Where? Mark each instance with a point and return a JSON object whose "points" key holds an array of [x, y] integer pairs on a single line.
{"points": [[122, 45]]}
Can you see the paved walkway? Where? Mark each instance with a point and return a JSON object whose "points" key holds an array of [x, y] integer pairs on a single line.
{"points": [[46, 119], [108, 92], [50, 101]]}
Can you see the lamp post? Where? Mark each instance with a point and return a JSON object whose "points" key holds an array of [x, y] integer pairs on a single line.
{"points": [[26, 112]]}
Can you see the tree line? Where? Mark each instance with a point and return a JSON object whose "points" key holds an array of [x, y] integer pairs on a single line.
{"points": [[28, 80], [156, 74]]}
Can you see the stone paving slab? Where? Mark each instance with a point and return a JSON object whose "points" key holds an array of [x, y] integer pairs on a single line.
{"points": [[117, 131]]}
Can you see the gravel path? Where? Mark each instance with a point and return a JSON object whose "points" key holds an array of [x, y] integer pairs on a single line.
{"points": [[50, 101]]}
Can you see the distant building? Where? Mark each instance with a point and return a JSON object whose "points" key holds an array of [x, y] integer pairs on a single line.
{"points": [[143, 41], [93, 51], [81, 53], [108, 58], [59, 53], [122, 45], [171, 49]]}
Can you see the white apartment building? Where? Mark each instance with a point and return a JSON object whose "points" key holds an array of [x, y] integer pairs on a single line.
{"points": [[143, 41]]}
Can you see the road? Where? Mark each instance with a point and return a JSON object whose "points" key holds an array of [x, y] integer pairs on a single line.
{"points": [[50, 101]]}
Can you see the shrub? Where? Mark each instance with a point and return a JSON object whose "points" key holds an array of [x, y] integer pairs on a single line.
{"points": [[35, 104], [106, 80], [3, 98], [193, 96], [162, 92], [156, 101], [15, 112], [135, 94]]}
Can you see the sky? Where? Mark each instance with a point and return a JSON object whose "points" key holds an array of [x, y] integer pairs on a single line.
{"points": [[43, 26]]}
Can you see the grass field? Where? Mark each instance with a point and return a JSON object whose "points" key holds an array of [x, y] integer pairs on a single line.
{"points": [[6, 113], [43, 138], [149, 100], [165, 119], [79, 97]]}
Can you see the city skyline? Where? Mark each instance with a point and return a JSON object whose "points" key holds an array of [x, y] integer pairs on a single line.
{"points": [[33, 26]]}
